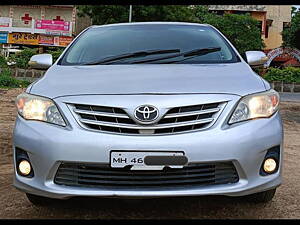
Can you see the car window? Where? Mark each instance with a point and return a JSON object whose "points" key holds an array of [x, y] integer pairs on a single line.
{"points": [[101, 42]]}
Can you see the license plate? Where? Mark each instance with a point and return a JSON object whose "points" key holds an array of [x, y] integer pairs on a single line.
{"points": [[120, 159]]}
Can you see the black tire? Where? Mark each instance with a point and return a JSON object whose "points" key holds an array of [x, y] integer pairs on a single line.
{"points": [[39, 200], [262, 197]]}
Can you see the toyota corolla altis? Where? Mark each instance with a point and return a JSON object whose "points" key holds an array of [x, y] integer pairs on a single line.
{"points": [[143, 110]]}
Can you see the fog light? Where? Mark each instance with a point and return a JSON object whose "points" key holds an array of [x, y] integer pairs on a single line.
{"points": [[270, 165], [24, 167]]}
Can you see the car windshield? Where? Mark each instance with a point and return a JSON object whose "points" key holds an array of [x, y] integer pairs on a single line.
{"points": [[130, 44]]}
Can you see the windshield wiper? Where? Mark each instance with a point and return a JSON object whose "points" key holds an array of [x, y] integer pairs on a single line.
{"points": [[132, 55], [192, 53]]}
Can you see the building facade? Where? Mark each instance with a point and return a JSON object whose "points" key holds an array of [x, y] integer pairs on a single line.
{"points": [[43, 25], [273, 19]]}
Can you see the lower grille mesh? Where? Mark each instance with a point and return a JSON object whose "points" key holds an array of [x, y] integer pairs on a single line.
{"points": [[100, 175]]}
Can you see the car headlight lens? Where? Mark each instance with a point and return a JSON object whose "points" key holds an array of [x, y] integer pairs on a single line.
{"points": [[32, 107], [260, 105]]}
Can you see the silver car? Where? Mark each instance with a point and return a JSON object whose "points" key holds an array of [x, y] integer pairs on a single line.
{"points": [[144, 110]]}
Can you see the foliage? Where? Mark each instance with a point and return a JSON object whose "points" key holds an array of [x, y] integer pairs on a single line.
{"points": [[8, 81], [288, 74], [3, 63], [107, 14], [179, 13], [5, 72], [241, 30], [22, 58], [55, 52], [291, 35], [104, 14]]}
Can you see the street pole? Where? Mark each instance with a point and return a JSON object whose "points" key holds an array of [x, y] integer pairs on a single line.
{"points": [[130, 13]]}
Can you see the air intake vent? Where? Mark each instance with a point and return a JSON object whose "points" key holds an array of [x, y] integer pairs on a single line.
{"points": [[100, 175]]}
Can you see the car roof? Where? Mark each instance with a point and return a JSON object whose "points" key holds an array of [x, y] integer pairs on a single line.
{"points": [[151, 23]]}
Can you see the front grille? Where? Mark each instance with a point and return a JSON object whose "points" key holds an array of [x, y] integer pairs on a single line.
{"points": [[100, 175], [116, 120]]}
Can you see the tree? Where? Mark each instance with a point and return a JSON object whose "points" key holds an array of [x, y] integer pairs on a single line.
{"points": [[22, 58], [291, 35], [106, 14], [241, 30], [179, 13]]}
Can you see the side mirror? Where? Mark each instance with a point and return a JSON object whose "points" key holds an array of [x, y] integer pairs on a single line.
{"points": [[256, 58], [41, 61]]}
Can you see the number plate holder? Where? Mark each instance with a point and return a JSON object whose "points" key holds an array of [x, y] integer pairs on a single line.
{"points": [[120, 159]]}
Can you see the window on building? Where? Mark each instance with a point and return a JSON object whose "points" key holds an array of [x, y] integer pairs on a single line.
{"points": [[267, 31], [268, 24], [239, 12], [218, 12], [285, 25]]}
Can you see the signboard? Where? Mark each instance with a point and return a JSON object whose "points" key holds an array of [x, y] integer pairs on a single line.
{"points": [[52, 25], [54, 40], [46, 40], [58, 33], [35, 39], [4, 21], [295, 53], [3, 37], [23, 38], [64, 41]]}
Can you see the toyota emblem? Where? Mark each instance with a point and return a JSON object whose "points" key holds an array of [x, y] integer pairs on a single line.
{"points": [[146, 113]]}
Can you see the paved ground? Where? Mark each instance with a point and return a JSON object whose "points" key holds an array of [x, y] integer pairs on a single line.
{"points": [[290, 97], [286, 203]]}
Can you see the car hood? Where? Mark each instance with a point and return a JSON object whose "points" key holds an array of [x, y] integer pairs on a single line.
{"points": [[233, 78]]}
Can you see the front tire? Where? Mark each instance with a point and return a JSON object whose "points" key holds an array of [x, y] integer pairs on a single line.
{"points": [[262, 197]]}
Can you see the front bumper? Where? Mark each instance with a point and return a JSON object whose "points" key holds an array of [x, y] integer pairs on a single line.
{"points": [[244, 144]]}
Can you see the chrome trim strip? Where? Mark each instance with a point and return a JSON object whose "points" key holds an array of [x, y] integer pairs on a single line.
{"points": [[162, 126]]}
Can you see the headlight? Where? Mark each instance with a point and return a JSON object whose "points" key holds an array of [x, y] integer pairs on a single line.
{"points": [[260, 105], [32, 107]]}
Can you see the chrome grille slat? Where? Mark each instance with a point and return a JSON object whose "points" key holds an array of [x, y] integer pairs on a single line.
{"points": [[175, 120], [171, 125], [193, 113], [95, 113]]}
